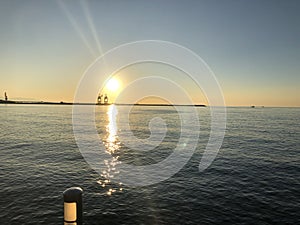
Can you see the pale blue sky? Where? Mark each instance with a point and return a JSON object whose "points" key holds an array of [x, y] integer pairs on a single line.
{"points": [[252, 46]]}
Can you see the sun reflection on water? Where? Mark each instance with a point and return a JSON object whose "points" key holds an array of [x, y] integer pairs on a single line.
{"points": [[112, 146]]}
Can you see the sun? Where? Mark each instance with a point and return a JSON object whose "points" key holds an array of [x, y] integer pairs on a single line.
{"points": [[113, 84]]}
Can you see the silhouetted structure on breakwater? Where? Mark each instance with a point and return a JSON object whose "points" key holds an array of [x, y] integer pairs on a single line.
{"points": [[105, 100], [5, 101]]}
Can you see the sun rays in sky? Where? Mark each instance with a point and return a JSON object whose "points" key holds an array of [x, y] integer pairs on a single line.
{"points": [[79, 30], [112, 87]]}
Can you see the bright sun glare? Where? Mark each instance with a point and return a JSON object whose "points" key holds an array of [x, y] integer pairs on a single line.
{"points": [[113, 84]]}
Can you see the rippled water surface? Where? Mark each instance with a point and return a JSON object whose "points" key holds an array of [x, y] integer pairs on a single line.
{"points": [[253, 180]]}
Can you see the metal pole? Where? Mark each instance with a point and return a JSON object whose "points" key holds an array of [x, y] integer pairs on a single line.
{"points": [[73, 206]]}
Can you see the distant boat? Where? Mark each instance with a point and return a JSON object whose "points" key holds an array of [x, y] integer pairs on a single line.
{"points": [[252, 106]]}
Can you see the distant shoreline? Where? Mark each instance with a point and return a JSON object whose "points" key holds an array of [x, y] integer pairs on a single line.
{"points": [[2, 102], [71, 103]]}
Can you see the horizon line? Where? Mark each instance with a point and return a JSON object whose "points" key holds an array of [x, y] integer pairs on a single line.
{"points": [[136, 104]]}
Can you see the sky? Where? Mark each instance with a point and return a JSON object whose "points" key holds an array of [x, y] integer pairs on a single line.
{"points": [[253, 47]]}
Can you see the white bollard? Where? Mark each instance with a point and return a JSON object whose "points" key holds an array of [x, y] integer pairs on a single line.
{"points": [[73, 206]]}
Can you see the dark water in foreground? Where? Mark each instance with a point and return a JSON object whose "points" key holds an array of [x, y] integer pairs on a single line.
{"points": [[253, 180]]}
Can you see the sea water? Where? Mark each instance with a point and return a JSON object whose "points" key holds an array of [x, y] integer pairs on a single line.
{"points": [[253, 180]]}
